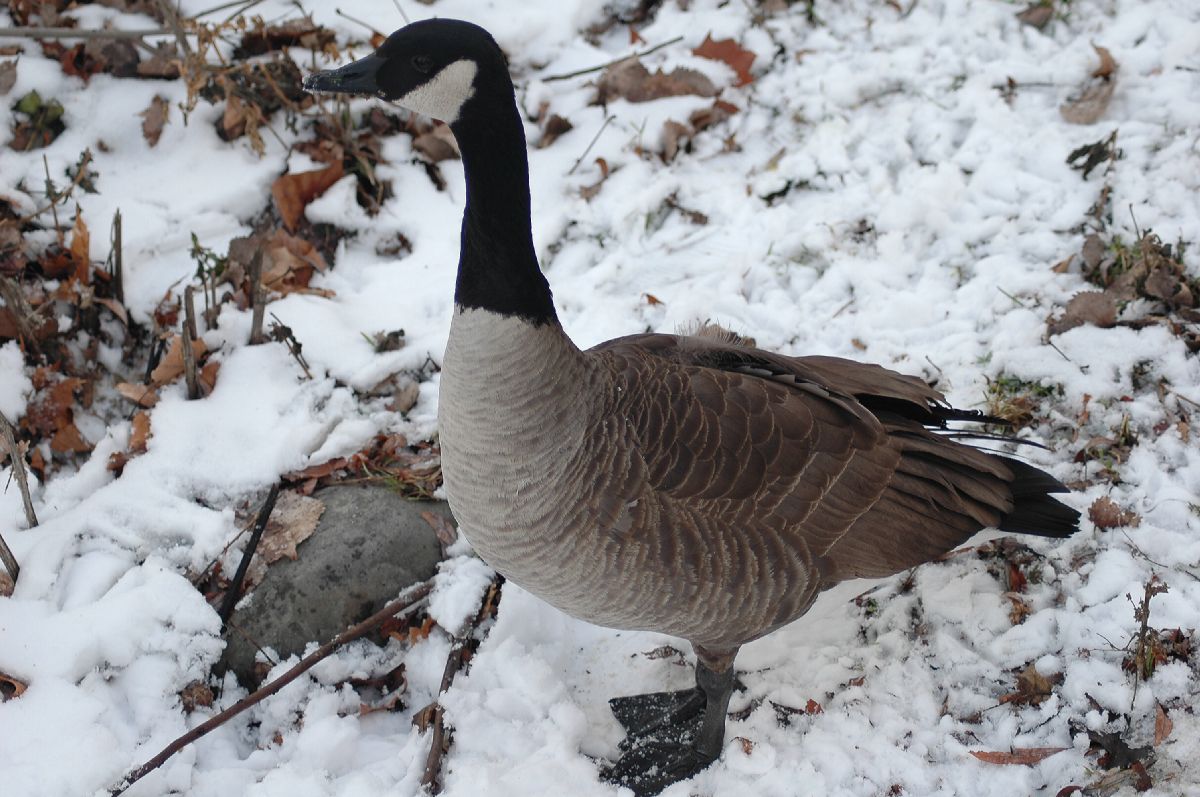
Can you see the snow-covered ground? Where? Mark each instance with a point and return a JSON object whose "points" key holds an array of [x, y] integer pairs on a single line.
{"points": [[918, 211]]}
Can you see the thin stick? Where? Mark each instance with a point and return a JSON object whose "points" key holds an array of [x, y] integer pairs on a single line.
{"points": [[403, 16], [258, 298], [14, 297], [454, 662], [77, 33], [51, 196], [591, 144], [10, 561], [189, 354], [409, 601], [171, 15], [16, 455], [118, 270], [357, 21], [189, 311], [55, 199], [260, 525], [613, 62]]}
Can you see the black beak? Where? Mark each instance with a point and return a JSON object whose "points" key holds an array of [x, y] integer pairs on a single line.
{"points": [[353, 78]]}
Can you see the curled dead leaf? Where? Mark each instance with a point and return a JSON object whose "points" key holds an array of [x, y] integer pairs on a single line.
{"points": [[1107, 514], [674, 138], [631, 80], [293, 521], [1018, 755], [153, 119], [438, 144], [142, 395], [1097, 308], [731, 53], [10, 687], [80, 249], [293, 192], [170, 367], [555, 126], [1090, 102]]}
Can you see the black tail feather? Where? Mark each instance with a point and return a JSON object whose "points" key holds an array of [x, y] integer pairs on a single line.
{"points": [[1034, 511]]}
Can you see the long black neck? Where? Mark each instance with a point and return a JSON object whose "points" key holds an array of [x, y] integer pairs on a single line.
{"points": [[497, 267]]}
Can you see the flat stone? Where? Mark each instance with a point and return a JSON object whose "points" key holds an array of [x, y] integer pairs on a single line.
{"points": [[370, 544]]}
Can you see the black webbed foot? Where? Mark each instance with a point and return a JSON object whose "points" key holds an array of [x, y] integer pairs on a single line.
{"points": [[649, 765], [671, 736]]}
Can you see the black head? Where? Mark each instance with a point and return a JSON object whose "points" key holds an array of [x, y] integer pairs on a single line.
{"points": [[434, 67]]}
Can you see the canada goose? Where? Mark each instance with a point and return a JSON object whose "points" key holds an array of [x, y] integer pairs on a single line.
{"points": [[692, 485]]}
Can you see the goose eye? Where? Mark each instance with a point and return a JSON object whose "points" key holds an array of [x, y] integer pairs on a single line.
{"points": [[422, 63]]}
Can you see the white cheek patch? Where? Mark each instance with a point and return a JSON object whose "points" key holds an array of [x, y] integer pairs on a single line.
{"points": [[444, 95]]}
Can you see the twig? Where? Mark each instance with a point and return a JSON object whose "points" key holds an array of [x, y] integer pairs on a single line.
{"points": [[1142, 614], [258, 298], [78, 33], [189, 312], [403, 16], [118, 259], [52, 197], [591, 144], [459, 650], [61, 197], [14, 298], [260, 525], [171, 16], [357, 21], [10, 561], [189, 354], [16, 456], [409, 601], [614, 62]]}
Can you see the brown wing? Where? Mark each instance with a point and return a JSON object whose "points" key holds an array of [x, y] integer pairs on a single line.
{"points": [[751, 454]]}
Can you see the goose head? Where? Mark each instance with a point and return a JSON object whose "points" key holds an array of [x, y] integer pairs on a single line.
{"points": [[438, 67]]}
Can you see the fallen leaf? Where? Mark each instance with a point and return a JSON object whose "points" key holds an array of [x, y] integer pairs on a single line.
{"points": [[289, 263], [707, 117], [438, 144], [139, 433], [1032, 688], [208, 376], [731, 53], [142, 395], [1097, 308], [1091, 101], [747, 745], [10, 687], [555, 126], [153, 119], [171, 365], [163, 62], [631, 80], [293, 192], [1162, 725], [674, 138], [80, 249], [194, 695], [8, 76], [1106, 514], [1018, 755], [293, 521], [813, 707], [1036, 15], [652, 300]]}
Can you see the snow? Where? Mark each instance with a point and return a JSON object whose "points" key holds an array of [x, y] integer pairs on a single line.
{"points": [[923, 218]]}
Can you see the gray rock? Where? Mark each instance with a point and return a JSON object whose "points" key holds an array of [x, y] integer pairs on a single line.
{"points": [[369, 545]]}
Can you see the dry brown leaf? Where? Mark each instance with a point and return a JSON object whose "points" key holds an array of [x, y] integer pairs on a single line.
{"points": [[1107, 514], [555, 126], [1036, 15], [674, 138], [747, 745], [1162, 725], [289, 263], [10, 687], [1091, 101], [8, 76], [652, 300], [293, 521], [170, 366], [813, 707], [1018, 755], [116, 308], [142, 395], [153, 119], [196, 694], [707, 117], [293, 192], [731, 53], [208, 376], [139, 434], [1032, 688], [1097, 308], [632, 81], [80, 249]]}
